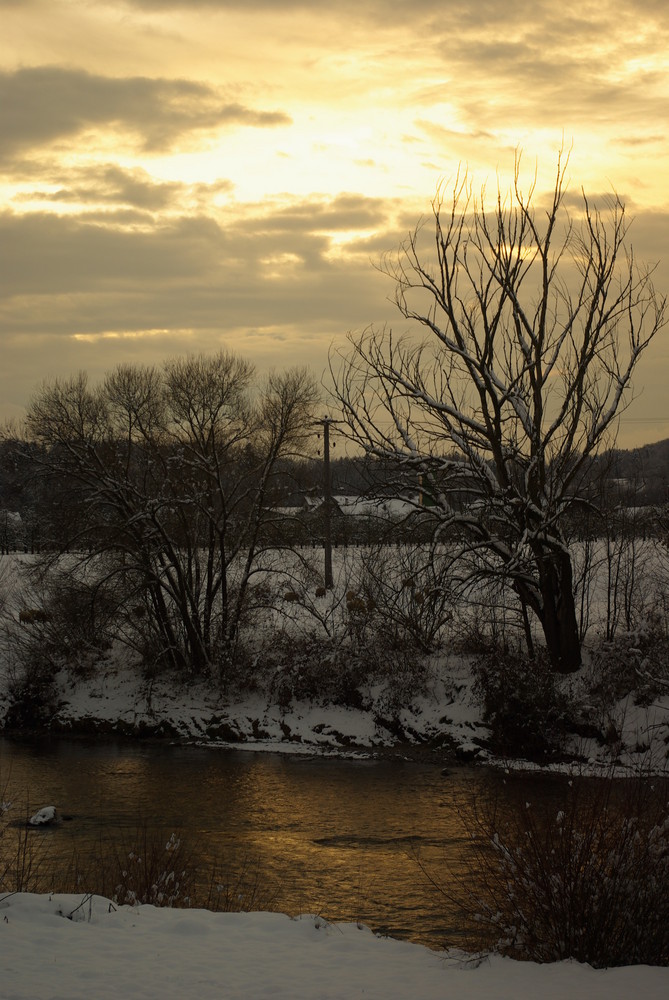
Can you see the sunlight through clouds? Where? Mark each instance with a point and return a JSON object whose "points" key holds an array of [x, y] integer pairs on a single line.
{"points": [[167, 165]]}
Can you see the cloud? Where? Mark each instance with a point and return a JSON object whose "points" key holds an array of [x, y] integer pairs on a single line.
{"points": [[271, 264], [138, 251], [391, 8], [68, 274], [42, 104], [91, 291], [43, 253], [344, 212], [109, 185], [483, 12]]}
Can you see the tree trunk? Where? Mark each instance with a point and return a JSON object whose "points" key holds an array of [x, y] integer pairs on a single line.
{"points": [[558, 611]]}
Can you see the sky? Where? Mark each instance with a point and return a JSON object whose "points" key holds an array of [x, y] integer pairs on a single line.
{"points": [[178, 176]]}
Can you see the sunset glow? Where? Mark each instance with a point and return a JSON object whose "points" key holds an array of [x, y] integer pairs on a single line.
{"points": [[180, 175]]}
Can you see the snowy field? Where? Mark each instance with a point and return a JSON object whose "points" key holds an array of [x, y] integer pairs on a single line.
{"points": [[74, 948]]}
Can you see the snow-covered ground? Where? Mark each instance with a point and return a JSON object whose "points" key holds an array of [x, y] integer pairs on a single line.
{"points": [[77, 948], [117, 698]]}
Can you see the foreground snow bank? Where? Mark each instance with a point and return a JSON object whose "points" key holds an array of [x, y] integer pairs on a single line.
{"points": [[64, 946]]}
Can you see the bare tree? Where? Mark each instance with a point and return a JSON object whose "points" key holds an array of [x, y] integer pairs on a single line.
{"points": [[536, 321], [173, 469]]}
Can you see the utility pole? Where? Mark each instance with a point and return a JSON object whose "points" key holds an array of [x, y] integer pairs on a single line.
{"points": [[327, 501]]}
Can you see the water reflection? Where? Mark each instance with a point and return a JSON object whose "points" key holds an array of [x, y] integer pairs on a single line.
{"points": [[335, 837]]}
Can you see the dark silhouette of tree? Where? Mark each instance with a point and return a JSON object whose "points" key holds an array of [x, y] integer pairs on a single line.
{"points": [[173, 470]]}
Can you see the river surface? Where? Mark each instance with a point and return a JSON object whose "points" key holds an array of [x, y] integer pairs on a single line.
{"points": [[351, 840]]}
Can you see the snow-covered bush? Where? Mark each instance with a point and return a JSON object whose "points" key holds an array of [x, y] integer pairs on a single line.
{"points": [[523, 704], [80, 618], [315, 668], [584, 876], [66, 622], [32, 695], [633, 662]]}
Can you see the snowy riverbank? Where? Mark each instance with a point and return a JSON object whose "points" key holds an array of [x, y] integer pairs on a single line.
{"points": [[443, 722], [293, 694], [105, 952]]}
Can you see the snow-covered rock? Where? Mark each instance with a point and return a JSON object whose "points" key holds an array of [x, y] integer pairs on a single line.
{"points": [[47, 816]]}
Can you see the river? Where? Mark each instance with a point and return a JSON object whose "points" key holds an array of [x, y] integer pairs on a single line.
{"points": [[348, 839]]}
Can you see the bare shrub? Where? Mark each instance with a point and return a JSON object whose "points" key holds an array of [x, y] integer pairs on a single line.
{"points": [[145, 865], [408, 589], [31, 685], [339, 617], [239, 889], [489, 616], [80, 619], [7, 585], [585, 877], [312, 667], [405, 676], [337, 642], [635, 661], [67, 622]]}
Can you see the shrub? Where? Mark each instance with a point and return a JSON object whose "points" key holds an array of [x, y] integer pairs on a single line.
{"points": [[523, 704], [339, 670], [409, 591], [635, 661], [79, 623], [25, 862], [239, 889], [144, 866], [68, 627], [586, 877], [315, 668], [31, 688], [74, 619]]}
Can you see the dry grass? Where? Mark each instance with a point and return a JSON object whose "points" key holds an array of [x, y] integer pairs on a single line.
{"points": [[25, 865], [144, 865]]}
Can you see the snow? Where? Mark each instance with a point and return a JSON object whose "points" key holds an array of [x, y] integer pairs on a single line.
{"points": [[66, 947], [117, 700], [444, 717], [44, 817]]}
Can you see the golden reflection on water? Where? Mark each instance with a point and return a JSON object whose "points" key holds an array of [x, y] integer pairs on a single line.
{"points": [[344, 839]]}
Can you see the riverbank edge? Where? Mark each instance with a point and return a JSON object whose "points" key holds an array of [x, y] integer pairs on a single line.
{"points": [[441, 722], [440, 750], [442, 725]]}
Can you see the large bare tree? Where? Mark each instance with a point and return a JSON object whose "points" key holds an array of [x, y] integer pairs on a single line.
{"points": [[173, 472], [536, 314]]}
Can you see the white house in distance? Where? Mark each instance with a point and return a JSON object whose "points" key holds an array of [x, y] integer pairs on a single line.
{"points": [[393, 508]]}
